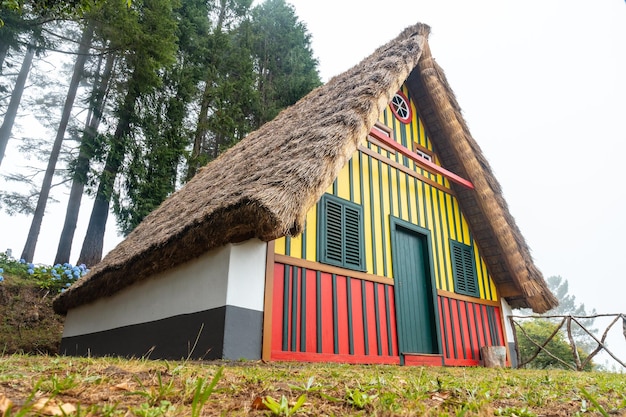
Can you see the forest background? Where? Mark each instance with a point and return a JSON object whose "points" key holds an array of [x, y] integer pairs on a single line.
{"points": [[133, 98]]}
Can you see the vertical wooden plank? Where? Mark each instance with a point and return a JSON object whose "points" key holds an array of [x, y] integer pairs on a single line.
{"points": [[311, 313], [388, 314], [371, 319], [393, 320], [318, 310], [381, 319], [365, 323], [303, 309], [456, 342], [357, 316], [335, 316], [342, 315], [286, 306], [464, 327], [278, 307], [294, 308], [350, 313], [268, 302], [471, 327], [443, 322]]}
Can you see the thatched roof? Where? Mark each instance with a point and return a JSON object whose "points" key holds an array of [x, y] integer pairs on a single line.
{"points": [[264, 186]]}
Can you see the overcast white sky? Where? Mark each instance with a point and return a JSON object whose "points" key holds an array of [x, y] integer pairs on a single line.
{"points": [[542, 84]]}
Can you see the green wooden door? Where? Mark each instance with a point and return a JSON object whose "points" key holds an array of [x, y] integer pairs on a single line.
{"points": [[415, 309]]}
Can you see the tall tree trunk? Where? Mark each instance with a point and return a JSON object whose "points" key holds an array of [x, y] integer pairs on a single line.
{"points": [[35, 227], [4, 49], [203, 115], [82, 164], [91, 251], [14, 103], [201, 131]]}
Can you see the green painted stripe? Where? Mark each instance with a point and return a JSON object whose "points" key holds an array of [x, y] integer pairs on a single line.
{"points": [[288, 245], [407, 185], [451, 312], [399, 192], [335, 318], [364, 307], [390, 191], [435, 236], [303, 251], [294, 309], [486, 276], [416, 184], [379, 342], [404, 142], [476, 321], [335, 186], [446, 202], [362, 202], [371, 205], [469, 330], [350, 331], [458, 315], [443, 325], [443, 212], [482, 320], [286, 273], [303, 312], [318, 309], [424, 221], [382, 217], [388, 320], [495, 339], [350, 174]]}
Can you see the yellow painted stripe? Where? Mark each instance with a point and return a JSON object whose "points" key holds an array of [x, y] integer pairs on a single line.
{"points": [[367, 214], [279, 246], [356, 170], [343, 183], [378, 248], [311, 234]]}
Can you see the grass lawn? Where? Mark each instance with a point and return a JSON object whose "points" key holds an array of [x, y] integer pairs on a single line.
{"points": [[44, 385]]}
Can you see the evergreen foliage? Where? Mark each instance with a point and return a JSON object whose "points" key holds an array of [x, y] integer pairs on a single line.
{"points": [[167, 86]]}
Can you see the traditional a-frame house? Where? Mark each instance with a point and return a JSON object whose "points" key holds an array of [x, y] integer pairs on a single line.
{"points": [[361, 225]]}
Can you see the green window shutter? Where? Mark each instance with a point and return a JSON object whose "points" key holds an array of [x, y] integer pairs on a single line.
{"points": [[340, 233], [465, 281]]}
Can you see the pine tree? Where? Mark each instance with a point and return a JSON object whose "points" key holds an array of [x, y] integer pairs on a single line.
{"points": [[33, 234], [150, 46], [86, 151], [283, 56]]}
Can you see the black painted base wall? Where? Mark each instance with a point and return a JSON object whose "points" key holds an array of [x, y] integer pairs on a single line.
{"points": [[222, 333]]}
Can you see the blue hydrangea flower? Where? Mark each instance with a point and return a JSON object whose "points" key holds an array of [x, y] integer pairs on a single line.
{"points": [[22, 261], [1, 278], [30, 271], [1, 270], [31, 266]]}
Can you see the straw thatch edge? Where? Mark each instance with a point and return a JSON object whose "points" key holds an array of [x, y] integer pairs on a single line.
{"points": [[273, 176]]}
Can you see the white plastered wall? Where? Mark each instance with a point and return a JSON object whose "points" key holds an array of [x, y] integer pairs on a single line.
{"points": [[507, 311], [230, 275]]}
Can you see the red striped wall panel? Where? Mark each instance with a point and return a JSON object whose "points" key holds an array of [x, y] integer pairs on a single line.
{"points": [[318, 316], [465, 328]]}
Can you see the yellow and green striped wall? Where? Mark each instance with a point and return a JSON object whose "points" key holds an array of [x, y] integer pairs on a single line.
{"points": [[386, 184]]}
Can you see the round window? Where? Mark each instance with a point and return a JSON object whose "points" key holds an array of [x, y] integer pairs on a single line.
{"points": [[401, 108]]}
